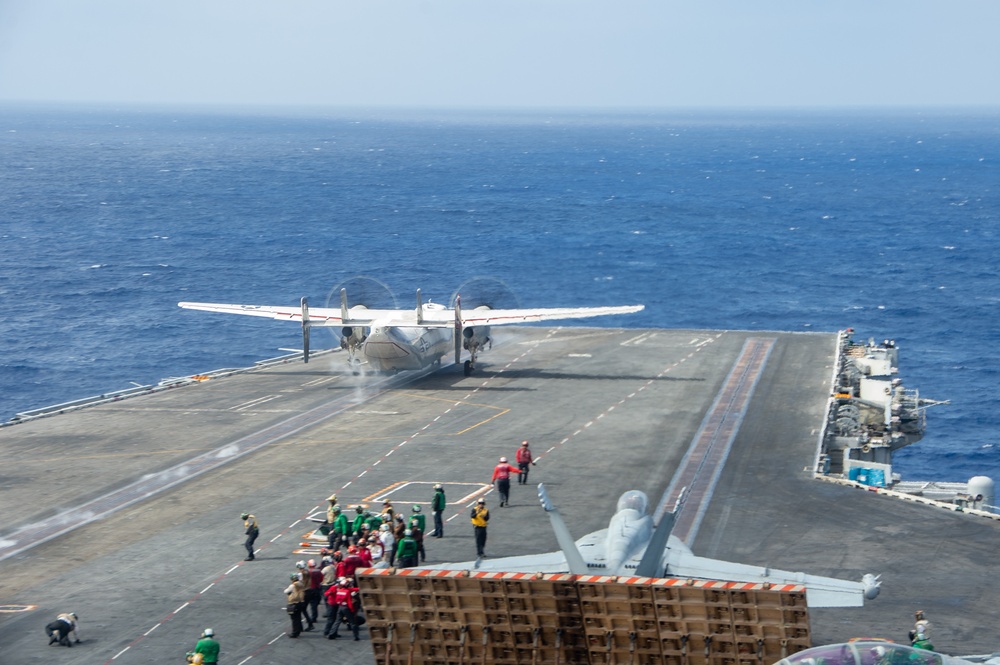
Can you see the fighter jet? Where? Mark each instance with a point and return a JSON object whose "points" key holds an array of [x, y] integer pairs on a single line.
{"points": [[632, 547]]}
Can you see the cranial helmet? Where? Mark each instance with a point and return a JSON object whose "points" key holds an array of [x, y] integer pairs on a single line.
{"points": [[300, 564], [416, 509], [438, 486], [312, 563], [243, 516], [407, 533], [208, 632], [503, 459], [524, 443]]}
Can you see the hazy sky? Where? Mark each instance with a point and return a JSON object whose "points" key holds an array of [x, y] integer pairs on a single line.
{"points": [[502, 53]]}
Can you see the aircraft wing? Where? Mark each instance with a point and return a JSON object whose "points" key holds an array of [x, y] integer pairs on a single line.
{"points": [[502, 317], [318, 316], [438, 317], [820, 591]]}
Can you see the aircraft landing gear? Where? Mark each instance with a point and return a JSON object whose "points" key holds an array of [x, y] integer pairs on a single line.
{"points": [[468, 368]]}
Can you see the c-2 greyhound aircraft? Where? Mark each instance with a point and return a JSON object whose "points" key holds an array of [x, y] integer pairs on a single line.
{"points": [[631, 546], [390, 340]]}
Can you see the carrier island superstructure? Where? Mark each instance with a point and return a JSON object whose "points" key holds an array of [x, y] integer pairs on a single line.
{"points": [[871, 416]]}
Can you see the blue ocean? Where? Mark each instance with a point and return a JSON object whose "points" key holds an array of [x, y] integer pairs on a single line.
{"points": [[887, 222]]}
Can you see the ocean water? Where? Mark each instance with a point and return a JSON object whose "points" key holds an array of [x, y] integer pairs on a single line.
{"points": [[886, 222]]}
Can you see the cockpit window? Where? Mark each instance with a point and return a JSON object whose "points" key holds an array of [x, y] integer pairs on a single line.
{"points": [[864, 653]]}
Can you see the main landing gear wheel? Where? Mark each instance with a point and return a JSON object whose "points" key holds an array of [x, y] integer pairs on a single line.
{"points": [[468, 368]]}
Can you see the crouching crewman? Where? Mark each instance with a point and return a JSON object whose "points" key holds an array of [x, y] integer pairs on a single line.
{"points": [[59, 630]]}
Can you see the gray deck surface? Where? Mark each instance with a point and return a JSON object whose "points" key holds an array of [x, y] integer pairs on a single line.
{"points": [[607, 410]]}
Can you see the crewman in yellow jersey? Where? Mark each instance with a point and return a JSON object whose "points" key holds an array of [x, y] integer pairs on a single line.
{"points": [[480, 518], [252, 530]]}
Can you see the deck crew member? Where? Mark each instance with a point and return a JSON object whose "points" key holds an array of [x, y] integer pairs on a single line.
{"points": [[208, 647], [360, 519], [59, 630], [920, 635], [438, 504], [418, 535], [252, 530], [295, 593], [407, 550], [313, 582], [340, 530], [480, 518], [344, 604], [501, 476], [524, 460]]}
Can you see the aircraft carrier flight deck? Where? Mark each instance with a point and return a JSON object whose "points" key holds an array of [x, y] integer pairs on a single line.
{"points": [[128, 512]]}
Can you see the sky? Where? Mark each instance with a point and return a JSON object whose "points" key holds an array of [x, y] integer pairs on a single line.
{"points": [[502, 54]]}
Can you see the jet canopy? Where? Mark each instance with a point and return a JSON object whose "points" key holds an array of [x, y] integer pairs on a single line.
{"points": [[864, 653]]}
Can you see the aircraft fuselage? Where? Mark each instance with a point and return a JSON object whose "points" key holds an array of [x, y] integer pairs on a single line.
{"points": [[396, 349]]}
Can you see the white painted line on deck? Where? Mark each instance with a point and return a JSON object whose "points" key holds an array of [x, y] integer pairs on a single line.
{"points": [[231, 570], [151, 630], [207, 588], [276, 537], [181, 607], [121, 652]]}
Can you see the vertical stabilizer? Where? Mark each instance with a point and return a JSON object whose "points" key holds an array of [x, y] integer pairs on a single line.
{"points": [[574, 559], [458, 329], [651, 564], [305, 329]]}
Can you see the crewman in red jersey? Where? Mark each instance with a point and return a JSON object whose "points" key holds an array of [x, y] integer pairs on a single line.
{"points": [[501, 476], [344, 604], [524, 460]]}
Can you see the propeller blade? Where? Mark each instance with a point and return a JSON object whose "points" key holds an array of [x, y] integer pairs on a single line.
{"points": [[305, 329], [458, 329], [343, 307], [420, 309]]}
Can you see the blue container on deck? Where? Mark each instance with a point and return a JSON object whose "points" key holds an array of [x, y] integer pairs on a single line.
{"points": [[876, 477]]}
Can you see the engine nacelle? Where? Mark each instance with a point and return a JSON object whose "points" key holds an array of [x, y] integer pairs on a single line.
{"points": [[475, 337]]}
